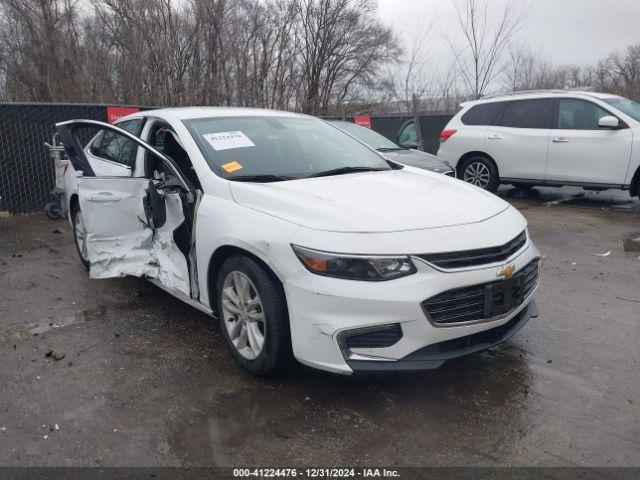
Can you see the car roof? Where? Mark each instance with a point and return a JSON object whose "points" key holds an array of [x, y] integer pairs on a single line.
{"points": [[185, 113], [526, 95]]}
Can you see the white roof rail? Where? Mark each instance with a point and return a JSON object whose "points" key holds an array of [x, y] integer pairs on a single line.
{"points": [[524, 92]]}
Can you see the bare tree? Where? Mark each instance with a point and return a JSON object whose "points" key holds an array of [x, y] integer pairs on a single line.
{"points": [[521, 70], [416, 79], [342, 45], [42, 42], [318, 56], [527, 71], [449, 91], [620, 72], [479, 60]]}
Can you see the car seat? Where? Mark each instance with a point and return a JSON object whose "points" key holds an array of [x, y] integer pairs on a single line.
{"points": [[173, 149]]}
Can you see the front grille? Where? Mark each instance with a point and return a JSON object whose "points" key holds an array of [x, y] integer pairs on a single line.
{"points": [[382, 337], [482, 256], [479, 302]]}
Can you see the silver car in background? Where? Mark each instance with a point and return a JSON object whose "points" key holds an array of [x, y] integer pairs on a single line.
{"points": [[393, 151]]}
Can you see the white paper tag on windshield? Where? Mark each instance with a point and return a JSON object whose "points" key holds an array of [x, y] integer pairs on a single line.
{"points": [[228, 140]]}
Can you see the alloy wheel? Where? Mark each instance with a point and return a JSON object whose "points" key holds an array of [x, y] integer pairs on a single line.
{"points": [[81, 234], [243, 315], [478, 174]]}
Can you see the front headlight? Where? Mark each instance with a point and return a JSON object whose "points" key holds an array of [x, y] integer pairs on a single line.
{"points": [[371, 268]]}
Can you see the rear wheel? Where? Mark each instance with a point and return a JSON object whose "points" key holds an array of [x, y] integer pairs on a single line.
{"points": [[481, 172], [80, 235], [53, 211], [253, 315]]}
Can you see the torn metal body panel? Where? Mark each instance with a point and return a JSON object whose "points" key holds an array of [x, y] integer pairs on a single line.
{"points": [[172, 269], [121, 238], [120, 241]]}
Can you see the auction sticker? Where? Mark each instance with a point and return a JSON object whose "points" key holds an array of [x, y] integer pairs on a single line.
{"points": [[232, 167], [228, 140]]}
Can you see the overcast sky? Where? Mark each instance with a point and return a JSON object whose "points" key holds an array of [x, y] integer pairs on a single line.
{"points": [[562, 31]]}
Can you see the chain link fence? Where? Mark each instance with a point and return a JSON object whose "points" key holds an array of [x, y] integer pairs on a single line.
{"points": [[27, 173]]}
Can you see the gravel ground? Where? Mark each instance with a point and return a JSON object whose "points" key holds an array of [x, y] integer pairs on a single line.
{"points": [[147, 381]]}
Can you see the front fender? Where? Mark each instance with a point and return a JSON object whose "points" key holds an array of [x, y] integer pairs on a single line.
{"points": [[223, 223]]}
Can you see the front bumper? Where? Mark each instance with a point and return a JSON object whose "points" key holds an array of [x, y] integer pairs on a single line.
{"points": [[323, 309], [435, 355]]}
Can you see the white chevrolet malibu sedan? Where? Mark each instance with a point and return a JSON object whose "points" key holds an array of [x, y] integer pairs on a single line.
{"points": [[302, 241]]}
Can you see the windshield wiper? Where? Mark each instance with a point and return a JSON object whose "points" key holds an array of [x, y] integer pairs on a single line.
{"points": [[390, 149], [344, 170], [260, 178]]}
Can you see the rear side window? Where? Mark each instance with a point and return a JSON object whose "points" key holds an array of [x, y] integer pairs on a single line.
{"points": [[483, 114], [409, 135], [116, 148], [527, 114]]}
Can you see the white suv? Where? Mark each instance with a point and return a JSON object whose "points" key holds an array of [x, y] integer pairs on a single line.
{"points": [[556, 138]]}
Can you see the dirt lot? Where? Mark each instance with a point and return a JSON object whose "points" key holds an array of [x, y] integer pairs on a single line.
{"points": [[146, 380]]}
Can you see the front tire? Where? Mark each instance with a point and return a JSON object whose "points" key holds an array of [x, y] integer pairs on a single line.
{"points": [[80, 235], [481, 172], [253, 315]]}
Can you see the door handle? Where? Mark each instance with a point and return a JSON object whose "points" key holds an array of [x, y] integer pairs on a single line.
{"points": [[560, 140], [495, 136], [104, 197]]}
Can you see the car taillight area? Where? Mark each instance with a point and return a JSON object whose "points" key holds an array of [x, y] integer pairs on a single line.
{"points": [[447, 134]]}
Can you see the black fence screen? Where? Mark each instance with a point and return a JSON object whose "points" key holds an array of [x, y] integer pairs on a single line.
{"points": [[26, 171], [387, 125], [428, 127], [390, 125], [431, 126]]}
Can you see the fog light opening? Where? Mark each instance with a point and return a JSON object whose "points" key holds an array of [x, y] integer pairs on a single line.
{"points": [[379, 336]]}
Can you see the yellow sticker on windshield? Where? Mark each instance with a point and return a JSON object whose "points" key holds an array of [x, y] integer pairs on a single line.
{"points": [[232, 167]]}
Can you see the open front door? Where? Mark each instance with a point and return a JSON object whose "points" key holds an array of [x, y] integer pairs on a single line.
{"points": [[131, 223]]}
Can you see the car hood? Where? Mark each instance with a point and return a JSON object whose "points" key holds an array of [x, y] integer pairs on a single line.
{"points": [[418, 159], [395, 200]]}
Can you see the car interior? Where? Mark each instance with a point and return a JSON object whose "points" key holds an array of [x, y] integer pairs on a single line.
{"points": [[165, 140]]}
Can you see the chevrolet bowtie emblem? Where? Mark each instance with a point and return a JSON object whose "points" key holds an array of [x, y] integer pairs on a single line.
{"points": [[506, 271]]}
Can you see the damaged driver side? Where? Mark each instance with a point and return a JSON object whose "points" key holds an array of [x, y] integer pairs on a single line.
{"points": [[139, 225]]}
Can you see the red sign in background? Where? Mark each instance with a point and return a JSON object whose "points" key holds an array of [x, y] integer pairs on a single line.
{"points": [[363, 120], [115, 113]]}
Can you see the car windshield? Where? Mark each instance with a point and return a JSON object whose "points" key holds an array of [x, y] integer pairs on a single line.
{"points": [[265, 148], [368, 136], [625, 105]]}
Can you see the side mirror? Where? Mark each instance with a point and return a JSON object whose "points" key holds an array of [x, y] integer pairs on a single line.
{"points": [[609, 122], [154, 206]]}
